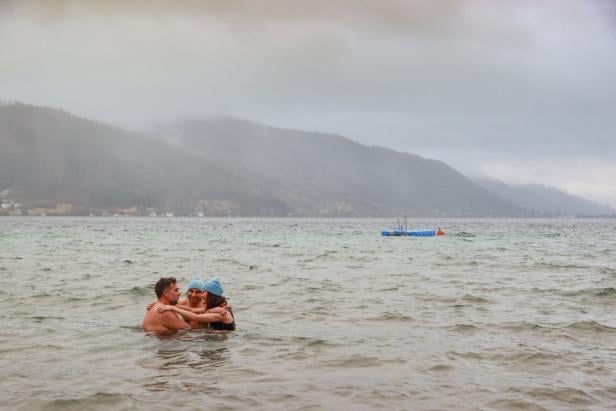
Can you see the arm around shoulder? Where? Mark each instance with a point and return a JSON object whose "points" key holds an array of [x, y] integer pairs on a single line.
{"points": [[172, 322]]}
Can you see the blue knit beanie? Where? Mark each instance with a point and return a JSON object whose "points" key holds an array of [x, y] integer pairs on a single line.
{"points": [[195, 283], [214, 286]]}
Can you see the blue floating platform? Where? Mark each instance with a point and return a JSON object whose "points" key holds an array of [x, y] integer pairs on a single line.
{"points": [[409, 233], [403, 231]]}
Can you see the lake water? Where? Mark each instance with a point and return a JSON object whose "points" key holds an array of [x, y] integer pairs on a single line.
{"points": [[498, 314]]}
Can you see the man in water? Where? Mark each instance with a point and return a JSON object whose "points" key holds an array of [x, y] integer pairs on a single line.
{"points": [[194, 295], [168, 293]]}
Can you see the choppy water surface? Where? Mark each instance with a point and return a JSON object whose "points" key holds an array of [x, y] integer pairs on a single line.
{"points": [[498, 314]]}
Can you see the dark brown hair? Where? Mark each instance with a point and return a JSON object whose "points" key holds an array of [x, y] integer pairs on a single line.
{"points": [[212, 301], [162, 285]]}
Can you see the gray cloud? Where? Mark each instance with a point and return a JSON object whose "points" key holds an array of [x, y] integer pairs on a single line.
{"points": [[487, 86]]}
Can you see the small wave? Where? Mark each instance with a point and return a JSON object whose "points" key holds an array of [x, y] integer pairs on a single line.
{"points": [[464, 328], [292, 255], [526, 358], [232, 261], [106, 400], [250, 287], [551, 235], [515, 404], [566, 395], [560, 266], [260, 244], [593, 326], [388, 289], [473, 263], [431, 298], [606, 292], [40, 318], [464, 234], [324, 255], [391, 316], [139, 290], [362, 361], [440, 368], [608, 271], [313, 342], [475, 299], [135, 328], [73, 298], [591, 292], [525, 326], [42, 294], [465, 355], [576, 326]]}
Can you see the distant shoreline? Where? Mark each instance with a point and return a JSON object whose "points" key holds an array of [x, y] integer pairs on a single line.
{"points": [[162, 217]]}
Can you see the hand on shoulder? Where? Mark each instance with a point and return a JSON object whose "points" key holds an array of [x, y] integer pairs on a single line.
{"points": [[217, 310], [162, 308]]}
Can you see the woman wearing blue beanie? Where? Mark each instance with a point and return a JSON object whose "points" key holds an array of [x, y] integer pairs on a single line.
{"points": [[213, 298], [213, 286], [218, 314]]}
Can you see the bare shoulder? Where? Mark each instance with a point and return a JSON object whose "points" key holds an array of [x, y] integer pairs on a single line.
{"points": [[153, 321], [168, 314], [173, 321]]}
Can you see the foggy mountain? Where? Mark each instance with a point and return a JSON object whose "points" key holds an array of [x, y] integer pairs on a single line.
{"points": [[544, 201], [49, 156], [318, 173], [224, 166]]}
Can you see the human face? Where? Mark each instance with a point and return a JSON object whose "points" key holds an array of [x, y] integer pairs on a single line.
{"points": [[194, 296], [173, 293]]}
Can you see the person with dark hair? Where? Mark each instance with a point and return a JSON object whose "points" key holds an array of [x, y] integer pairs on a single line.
{"points": [[168, 294], [218, 314]]}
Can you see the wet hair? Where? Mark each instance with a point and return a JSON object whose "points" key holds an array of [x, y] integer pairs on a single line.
{"points": [[212, 301], [162, 285]]}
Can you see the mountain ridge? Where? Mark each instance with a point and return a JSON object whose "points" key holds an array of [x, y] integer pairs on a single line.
{"points": [[367, 176], [223, 166], [541, 200]]}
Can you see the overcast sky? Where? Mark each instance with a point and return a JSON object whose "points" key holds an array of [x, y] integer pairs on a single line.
{"points": [[522, 91]]}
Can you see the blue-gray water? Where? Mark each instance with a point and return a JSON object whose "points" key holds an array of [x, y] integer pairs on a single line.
{"points": [[498, 314]]}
